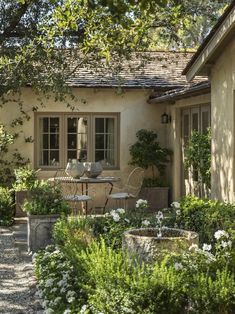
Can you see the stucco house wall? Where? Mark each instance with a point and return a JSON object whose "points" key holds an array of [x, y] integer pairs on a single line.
{"points": [[174, 139], [223, 125], [134, 111]]}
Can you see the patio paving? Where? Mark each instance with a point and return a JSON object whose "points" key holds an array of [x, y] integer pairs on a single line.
{"points": [[17, 282]]}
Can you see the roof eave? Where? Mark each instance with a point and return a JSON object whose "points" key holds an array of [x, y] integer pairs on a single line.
{"points": [[183, 93]]}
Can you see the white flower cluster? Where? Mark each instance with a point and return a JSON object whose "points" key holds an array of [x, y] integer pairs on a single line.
{"points": [[141, 204], [220, 234], [57, 283], [145, 223], [116, 214], [176, 205], [178, 266]]}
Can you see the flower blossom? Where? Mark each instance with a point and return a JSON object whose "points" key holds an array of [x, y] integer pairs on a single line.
{"points": [[178, 212], [159, 215], [175, 205], [115, 215], [146, 223], [49, 282], [221, 233], [141, 203], [206, 247], [178, 266], [120, 210], [225, 244]]}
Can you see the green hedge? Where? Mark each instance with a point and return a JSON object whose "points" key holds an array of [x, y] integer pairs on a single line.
{"points": [[6, 206]]}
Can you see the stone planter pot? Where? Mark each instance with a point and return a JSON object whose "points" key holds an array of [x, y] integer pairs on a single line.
{"points": [[20, 197], [157, 197], [145, 245], [75, 169], [40, 231]]}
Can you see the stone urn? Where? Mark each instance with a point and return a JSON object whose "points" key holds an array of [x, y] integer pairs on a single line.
{"points": [[93, 169], [40, 231], [146, 245], [75, 169]]}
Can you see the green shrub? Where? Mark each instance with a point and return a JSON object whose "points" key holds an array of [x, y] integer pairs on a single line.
{"points": [[45, 199], [204, 216], [6, 206], [25, 178]]}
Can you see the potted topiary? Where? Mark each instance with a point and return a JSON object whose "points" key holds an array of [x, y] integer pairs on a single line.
{"points": [[45, 206], [148, 154], [25, 178]]}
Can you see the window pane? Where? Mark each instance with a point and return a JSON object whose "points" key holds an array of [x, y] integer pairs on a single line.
{"points": [[72, 154], [99, 155], [54, 141], [99, 141], [77, 138], [82, 155], [99, 125], [109, 141], [72, 125], [54, 158], [45, 141], [45, 124], [195, 122], [205, 121], [104, 141], [109, 125], [72, 141], [54, 125], [45, 158], [49, 141]]}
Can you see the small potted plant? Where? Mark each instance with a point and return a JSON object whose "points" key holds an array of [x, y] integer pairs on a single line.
{"points": [[25, 178], [148, 154], [45, 206]]}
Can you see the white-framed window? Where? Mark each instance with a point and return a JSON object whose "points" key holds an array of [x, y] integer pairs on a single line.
{"points": [[86, 137]]}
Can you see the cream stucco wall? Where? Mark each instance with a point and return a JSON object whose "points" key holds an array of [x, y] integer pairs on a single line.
{"points": [[223, 127], [174, 138], [135, 113]]}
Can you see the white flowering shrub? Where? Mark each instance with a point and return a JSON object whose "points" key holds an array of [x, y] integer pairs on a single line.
{"points": [[58, 286], [93, 275]]}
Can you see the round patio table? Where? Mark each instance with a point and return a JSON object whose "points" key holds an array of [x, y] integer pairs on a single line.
{"points": [[85, 181]]}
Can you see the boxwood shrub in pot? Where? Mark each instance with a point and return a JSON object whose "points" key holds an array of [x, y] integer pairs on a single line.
{"points": [[45, 206], [25, 178], [148, 154]]}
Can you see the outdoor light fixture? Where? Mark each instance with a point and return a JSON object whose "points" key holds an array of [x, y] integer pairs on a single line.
{"points": [[165, 118]]}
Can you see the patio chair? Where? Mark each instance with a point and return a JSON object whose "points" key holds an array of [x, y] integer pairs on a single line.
{"points": [[130, 190], [70, 191]]}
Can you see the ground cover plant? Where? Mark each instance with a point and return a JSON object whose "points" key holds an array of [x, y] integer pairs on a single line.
{"points": [[6, 207], [88, 272]]}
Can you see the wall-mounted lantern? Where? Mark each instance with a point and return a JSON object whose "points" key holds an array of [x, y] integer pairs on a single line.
{"points": [[165, 118]]}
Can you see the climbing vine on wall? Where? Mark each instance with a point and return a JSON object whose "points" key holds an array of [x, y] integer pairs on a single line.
{"points": [[198, 156]]}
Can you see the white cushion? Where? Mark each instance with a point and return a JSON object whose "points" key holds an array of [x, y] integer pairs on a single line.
{"points": [[77, 198], [121, 195]]}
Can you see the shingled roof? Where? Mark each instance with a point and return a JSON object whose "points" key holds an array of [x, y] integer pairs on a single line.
{"points": [[171, 96], [162, 71]]}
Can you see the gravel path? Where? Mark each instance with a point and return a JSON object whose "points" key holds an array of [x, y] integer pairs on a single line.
{"points": [[17, 283]]}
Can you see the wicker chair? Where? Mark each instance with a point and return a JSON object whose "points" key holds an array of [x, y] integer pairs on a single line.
{"points": [[130, 190], [70, 191]]}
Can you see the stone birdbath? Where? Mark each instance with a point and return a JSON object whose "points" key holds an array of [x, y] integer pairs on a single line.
{"points": [[146, 245]]}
